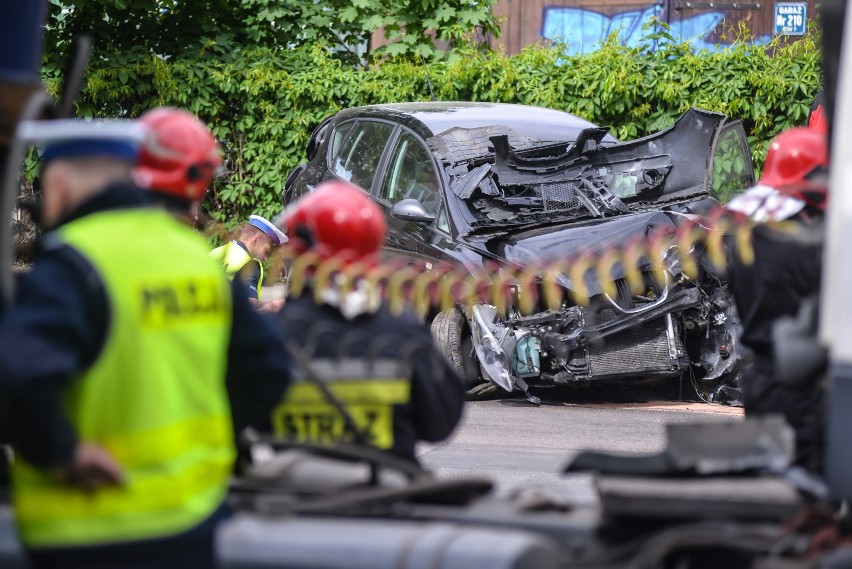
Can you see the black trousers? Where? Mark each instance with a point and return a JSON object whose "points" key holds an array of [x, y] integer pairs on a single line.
{"points": [[182, 554], [193, 549], [803, 408]]}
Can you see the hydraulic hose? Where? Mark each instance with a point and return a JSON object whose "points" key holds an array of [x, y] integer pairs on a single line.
{"points": [[34, 107]]}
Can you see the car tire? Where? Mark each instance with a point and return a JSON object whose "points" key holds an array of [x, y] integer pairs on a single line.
{"points": [[451, 334]]}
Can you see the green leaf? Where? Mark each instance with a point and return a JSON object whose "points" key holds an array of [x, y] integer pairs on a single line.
{"points": [[445, 13], [373, 22], [349, 14], [397, 48]]}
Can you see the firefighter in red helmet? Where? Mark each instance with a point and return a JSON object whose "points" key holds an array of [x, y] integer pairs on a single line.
{"points": [[786, 271], [797, 165], [337, 220], [177, 160], [382, 368], [793, 180]]}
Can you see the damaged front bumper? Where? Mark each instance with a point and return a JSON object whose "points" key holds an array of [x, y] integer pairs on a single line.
{"points": [[607, 341]]}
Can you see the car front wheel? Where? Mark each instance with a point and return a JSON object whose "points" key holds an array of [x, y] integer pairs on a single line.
{"points": [[452, 335]]}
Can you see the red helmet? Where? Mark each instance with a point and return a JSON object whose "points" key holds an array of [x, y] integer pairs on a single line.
{"points": [[792, 156], [336, 220], [817, 121], [178, 156]]}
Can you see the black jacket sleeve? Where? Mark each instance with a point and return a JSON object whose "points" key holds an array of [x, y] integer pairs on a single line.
{"points": [[437, 393], [258, 367], [55, 330], [252, 280], [784, 272]]}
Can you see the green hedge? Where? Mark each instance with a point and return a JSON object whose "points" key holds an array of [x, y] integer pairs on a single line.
{"points": [[263, 104]]}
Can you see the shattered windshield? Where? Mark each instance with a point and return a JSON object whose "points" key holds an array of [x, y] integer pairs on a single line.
{"points": [[505, 179]]}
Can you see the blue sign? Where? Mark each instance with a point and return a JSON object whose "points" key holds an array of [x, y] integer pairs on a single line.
{"points": [[791, 18]]}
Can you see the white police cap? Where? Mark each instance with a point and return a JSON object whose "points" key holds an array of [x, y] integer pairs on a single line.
{"points": [[70, 138], [269, 228]]}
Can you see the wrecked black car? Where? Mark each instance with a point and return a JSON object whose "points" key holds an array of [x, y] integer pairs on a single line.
{"points": [[484, 185]]}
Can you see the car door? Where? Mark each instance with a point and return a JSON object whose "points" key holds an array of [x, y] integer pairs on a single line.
{"points": [[304, 177], [410, 173], [731, 167]]}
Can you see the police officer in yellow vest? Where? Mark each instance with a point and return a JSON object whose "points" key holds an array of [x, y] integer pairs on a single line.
{"points": [[245, 255], [119, 362]]}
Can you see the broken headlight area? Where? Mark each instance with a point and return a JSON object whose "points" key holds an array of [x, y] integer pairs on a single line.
{"points": [[493, 343]]}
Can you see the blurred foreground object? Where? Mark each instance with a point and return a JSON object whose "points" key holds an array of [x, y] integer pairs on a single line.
{"points": [[21, 96], [836, 302], [121, 381], [785, 272]]}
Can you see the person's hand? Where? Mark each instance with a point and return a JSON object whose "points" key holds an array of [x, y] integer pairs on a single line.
{"points": [[271, 306], [92, 467]]}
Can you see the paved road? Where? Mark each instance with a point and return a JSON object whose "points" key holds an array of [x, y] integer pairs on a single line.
{"points": [[523, 447]]}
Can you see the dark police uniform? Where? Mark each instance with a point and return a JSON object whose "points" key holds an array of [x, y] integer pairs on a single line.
{"points": [[384, 369], [784, 273], [61, 349]]}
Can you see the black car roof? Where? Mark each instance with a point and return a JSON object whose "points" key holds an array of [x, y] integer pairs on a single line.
{"points": [[546, 125]]}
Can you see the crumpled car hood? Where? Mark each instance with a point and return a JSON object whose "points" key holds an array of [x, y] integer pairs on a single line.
{"points": [[526, 247]]}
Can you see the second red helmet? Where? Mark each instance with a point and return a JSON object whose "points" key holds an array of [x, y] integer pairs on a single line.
{"points": [[179, 155], [338, 220], [793, 155]]}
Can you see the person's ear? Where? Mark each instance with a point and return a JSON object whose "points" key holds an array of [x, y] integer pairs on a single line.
{"points": [[56, 193]]}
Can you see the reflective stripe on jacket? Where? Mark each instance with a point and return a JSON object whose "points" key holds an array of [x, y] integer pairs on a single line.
{"points": [[234, 259], [155, 398], [368, 391]]}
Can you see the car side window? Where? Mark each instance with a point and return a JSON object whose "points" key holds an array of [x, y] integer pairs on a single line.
{"points": [[732, 168], [411, 174], [340, 133], [360, 151], [442, 221]]}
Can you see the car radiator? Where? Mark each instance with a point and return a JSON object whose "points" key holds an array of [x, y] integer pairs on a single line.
{"points": [[642, 350]]}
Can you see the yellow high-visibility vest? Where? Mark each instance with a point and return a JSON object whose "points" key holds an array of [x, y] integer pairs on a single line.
{"points": [[155, 398], [234, 258]]}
